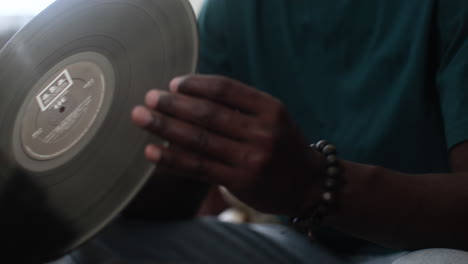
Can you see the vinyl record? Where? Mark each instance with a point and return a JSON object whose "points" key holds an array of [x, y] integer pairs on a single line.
{"points": [[70, 158]]}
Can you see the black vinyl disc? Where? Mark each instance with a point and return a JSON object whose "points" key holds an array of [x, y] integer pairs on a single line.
{"points": [[70, 158]]}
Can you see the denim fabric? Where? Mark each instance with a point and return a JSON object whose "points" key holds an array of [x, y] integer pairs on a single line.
{"points": [[210, 241]]}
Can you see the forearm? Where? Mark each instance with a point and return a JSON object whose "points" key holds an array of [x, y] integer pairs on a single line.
{"points": [[401, 210]]}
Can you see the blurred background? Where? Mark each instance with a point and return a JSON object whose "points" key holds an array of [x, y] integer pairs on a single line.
{"points": [[16, 13]]}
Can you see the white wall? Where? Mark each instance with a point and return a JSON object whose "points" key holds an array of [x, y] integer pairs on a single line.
{"points": [[197, 4], [16, 13], [23, 7], [32, 7]]}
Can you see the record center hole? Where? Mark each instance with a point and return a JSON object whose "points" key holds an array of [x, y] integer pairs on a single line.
{"points": [[62, 109]]}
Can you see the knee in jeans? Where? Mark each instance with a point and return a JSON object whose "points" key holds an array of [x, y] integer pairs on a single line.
{"points": [[434, 256]]}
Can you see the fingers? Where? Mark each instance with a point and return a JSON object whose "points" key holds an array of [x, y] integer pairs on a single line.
{"points": [[187, 135], [194, 165], [224, 91], [212, 116], [218, 125]]}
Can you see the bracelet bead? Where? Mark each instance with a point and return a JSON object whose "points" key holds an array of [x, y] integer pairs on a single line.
{"points": [[333, 171], [327, 197], [332, 159], [331, 183], [320, 145], [329, 150]]}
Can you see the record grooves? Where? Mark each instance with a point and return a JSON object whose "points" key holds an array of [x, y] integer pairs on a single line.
{"points": [[70, 157]]}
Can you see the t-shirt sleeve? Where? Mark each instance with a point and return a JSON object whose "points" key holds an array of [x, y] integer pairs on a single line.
{"points": [[214, 49], [452, 76]]}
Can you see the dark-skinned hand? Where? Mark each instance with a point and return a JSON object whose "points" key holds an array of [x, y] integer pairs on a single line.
{"points": [[227, 133]]}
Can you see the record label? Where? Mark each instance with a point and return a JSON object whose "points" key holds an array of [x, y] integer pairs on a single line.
{"points": [[64, 108]]}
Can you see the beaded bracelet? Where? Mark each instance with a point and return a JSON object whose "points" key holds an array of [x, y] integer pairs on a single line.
{"points": [[313, 218]]}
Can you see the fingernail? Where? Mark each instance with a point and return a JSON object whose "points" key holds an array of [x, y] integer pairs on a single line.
{"points": [[153, 153], [141, 116], [152, 98], [174, 85]]}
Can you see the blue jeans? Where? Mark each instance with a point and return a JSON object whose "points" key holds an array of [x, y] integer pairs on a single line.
{"points": [[209, 241]]}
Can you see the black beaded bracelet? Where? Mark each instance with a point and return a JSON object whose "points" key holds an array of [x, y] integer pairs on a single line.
{"points": [[313, 217]]}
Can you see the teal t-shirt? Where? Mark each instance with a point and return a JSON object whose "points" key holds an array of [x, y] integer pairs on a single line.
{"points": [[386, 81]]}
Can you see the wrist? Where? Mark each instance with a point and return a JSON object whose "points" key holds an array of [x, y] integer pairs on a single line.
{"points": [[313, 187], [321, 197]]}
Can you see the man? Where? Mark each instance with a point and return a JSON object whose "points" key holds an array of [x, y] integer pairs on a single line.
{"points": [[384, 81]]}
